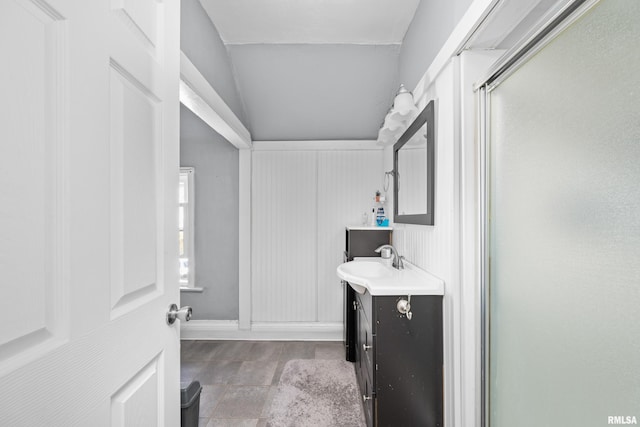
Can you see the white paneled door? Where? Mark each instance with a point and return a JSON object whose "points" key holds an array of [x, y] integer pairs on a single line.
{"points": [[88, 209]]}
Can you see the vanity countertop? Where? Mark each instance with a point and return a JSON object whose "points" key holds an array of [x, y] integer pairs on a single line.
{"points": [[368, 227], [373, 274]]}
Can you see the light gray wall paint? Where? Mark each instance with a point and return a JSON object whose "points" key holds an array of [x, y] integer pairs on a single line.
{"points": [[216, 173], [316, 92], [216, 218], [202, 44], [431, 26]]}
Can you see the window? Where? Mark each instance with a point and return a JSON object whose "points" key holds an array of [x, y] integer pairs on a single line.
{"points": [[185, 228]]}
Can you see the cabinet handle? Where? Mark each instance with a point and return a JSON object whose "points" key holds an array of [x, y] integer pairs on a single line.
{"points": [[366, 347], [365, 398]]}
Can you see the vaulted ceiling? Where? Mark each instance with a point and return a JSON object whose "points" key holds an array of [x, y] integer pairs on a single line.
{"points": [[313, 69]]}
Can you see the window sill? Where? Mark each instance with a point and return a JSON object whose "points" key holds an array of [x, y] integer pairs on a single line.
{"points": [[187, 289]]}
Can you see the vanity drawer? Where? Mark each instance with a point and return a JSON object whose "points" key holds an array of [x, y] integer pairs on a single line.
{"points": [[368, 399], [365, 302], [365, 356], [366, 345]]}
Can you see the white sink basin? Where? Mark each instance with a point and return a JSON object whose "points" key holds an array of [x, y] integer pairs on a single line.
{"points": [[366, 269], [373, 275], [358, 273]]}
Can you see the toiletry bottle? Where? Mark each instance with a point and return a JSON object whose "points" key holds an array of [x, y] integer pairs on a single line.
{"points": [[372, 220], [380, 216]]}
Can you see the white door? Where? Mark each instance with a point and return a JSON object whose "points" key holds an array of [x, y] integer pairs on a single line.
{"points": [[88, 212]]}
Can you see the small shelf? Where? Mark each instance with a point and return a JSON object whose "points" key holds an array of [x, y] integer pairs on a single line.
{"points": [[368, 227]]}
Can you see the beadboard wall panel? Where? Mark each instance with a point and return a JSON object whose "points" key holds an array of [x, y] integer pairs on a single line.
{"points": [[301, 202], [430, 247], [347, 182], [437, 248], [284, 207]]}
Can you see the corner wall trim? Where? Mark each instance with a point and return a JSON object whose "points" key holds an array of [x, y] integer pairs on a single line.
{"points": [[261, 331], [197, 94], [317, 145], [244, 240]]}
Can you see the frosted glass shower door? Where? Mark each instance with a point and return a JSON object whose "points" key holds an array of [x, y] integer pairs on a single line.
{"points": [[564, 229]]}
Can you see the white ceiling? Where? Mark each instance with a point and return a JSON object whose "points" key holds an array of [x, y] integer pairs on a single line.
{"points": [[311, 21]]}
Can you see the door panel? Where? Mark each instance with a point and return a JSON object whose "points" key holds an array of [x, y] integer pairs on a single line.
{"points": [[136, 403], [31, 200], [142, 18], [88, 208], [135, 166]]}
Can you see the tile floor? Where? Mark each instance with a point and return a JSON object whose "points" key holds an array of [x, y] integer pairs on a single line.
{"points": [[239, 378]]}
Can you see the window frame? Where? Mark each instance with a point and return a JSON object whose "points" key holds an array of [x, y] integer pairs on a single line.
{"points": [[187, 174]]}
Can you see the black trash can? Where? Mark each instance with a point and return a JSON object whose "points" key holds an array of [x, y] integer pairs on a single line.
{"points": [[190, 404]]}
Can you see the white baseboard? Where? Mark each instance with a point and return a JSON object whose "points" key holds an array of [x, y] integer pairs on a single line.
{"points": [[262, 331]]}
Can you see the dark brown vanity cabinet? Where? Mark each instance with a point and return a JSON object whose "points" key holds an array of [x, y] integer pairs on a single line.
{"points": [[399, 361], [359, 242]]}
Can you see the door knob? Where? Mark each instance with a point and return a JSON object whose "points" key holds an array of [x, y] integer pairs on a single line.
{"points": [[182, 313]]}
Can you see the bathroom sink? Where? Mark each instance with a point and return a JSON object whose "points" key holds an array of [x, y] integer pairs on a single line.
{"points": [[367, 269], [374, 275], [358, 272]]}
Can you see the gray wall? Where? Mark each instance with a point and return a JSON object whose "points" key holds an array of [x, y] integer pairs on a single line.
{"points": [[201, 42], [431, 26], [216, 173], [216, 218], [324, 91]]}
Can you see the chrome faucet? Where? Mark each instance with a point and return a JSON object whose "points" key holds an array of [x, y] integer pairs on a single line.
{"points": [[397, 259]]}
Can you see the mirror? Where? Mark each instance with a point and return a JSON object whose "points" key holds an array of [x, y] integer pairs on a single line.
{"points": [[414, 167]]}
